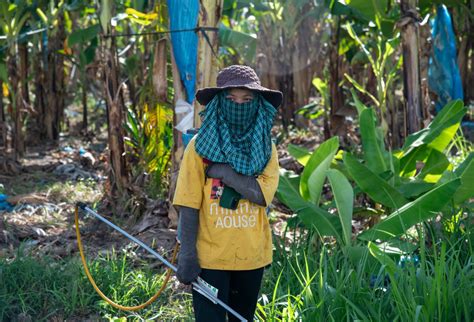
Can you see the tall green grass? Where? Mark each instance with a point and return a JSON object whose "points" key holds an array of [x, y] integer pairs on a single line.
{"points": [[43, 289], [308, 283], [309, 280]]}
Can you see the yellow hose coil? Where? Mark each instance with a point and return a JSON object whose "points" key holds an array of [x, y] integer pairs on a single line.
{"points": [[96, 288]]}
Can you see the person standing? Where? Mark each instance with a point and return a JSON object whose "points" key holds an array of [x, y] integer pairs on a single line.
{"points": [[228, 176]]}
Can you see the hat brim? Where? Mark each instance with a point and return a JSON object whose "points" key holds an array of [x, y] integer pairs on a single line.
{"points": [[205, 95]]}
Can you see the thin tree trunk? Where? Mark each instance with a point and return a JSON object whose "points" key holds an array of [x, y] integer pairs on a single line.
{"points": [[464, 52], [285, 84], [178, 148], [160, 75], [411, 65], [23, 53], [39, 100], [60, 91], [210, 12], [118, 175], [3, 124], [84, 101], [17, 103], [336, 121], [54, 84], [470, 89]]}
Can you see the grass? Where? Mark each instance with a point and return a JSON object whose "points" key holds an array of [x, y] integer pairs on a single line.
{"points": [[323, 284], [44, 289], [309, 280]]}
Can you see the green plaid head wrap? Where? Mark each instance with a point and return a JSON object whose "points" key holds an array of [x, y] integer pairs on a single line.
{"points": [[238, 134]]}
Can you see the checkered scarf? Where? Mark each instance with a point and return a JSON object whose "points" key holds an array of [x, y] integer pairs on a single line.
{"points": [[238, 134]]}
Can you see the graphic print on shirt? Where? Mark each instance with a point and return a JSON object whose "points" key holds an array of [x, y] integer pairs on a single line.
{"points": [[245, 216], [217, 188]]}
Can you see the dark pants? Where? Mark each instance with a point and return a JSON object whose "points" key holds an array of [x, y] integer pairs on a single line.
{"points": [[238, 289]]}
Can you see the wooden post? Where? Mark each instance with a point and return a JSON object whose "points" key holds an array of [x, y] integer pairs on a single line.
{"points": [[411, 64], [210, 12]]}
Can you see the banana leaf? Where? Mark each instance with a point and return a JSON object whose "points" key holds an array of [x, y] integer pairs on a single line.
{"points": [[423, 208], [82, 36], [409, 160], [436, 163], [412, 189], [465, 171], [243, 43], [372, 144], [312, 216], [344, 197], [301, 155], [314, 173], [374, 186], [440, 131]]}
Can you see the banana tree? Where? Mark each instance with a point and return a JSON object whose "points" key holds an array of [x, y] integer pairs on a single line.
{"points": [[286, 46], [86, 41], [403, 194], [50, 72], [119, 177], [13, 18]]}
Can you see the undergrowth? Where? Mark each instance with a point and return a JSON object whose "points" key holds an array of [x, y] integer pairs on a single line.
{"points": [[309, 280], [42, 289]]}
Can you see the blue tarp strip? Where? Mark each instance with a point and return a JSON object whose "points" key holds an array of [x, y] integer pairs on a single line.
{"points": [[183, 14]]}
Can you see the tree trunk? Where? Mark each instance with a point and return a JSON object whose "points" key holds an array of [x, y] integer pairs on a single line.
{"points": [[3, 122], [23, 53], [411, 64], [304, 66], [84, 101], [54, 83], [210, 12], [178, 148], [470, 89], [17, 104], [465, 47], [336, 120], [40, 93], [160, 75], [118, 176]]}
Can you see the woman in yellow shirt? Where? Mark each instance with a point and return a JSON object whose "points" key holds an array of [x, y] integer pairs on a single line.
{"points": [[228, 176]]}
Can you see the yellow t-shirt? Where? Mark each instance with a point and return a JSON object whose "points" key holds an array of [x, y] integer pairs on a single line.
{"points": [[227, 239]]}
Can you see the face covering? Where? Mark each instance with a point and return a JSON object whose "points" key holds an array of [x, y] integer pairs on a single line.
{"points": [[237, 134], [239, 117]]}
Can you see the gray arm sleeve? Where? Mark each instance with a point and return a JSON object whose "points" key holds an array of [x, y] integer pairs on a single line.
{"points": [[247, 186], [188, 263], [188, 228]]}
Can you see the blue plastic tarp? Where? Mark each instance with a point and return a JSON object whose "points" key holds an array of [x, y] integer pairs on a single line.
{"points": [[443, 73], [184, 14], [4, 204]]}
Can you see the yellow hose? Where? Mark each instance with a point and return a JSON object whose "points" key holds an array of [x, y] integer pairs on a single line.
{"points": [[96, 288]]}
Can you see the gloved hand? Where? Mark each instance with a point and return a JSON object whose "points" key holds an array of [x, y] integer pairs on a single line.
{"points": [[188, 269], [247, 186], [188, 264]]}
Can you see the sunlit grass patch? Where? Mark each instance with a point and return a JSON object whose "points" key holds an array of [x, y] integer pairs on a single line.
{"points": [[44, 289], [306, 283]]}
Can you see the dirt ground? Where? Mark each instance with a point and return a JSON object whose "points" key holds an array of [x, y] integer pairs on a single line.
{"points": [[44, 189]]}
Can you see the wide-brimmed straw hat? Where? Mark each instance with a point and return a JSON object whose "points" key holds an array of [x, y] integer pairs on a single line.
{"points": [[239, 76]]}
